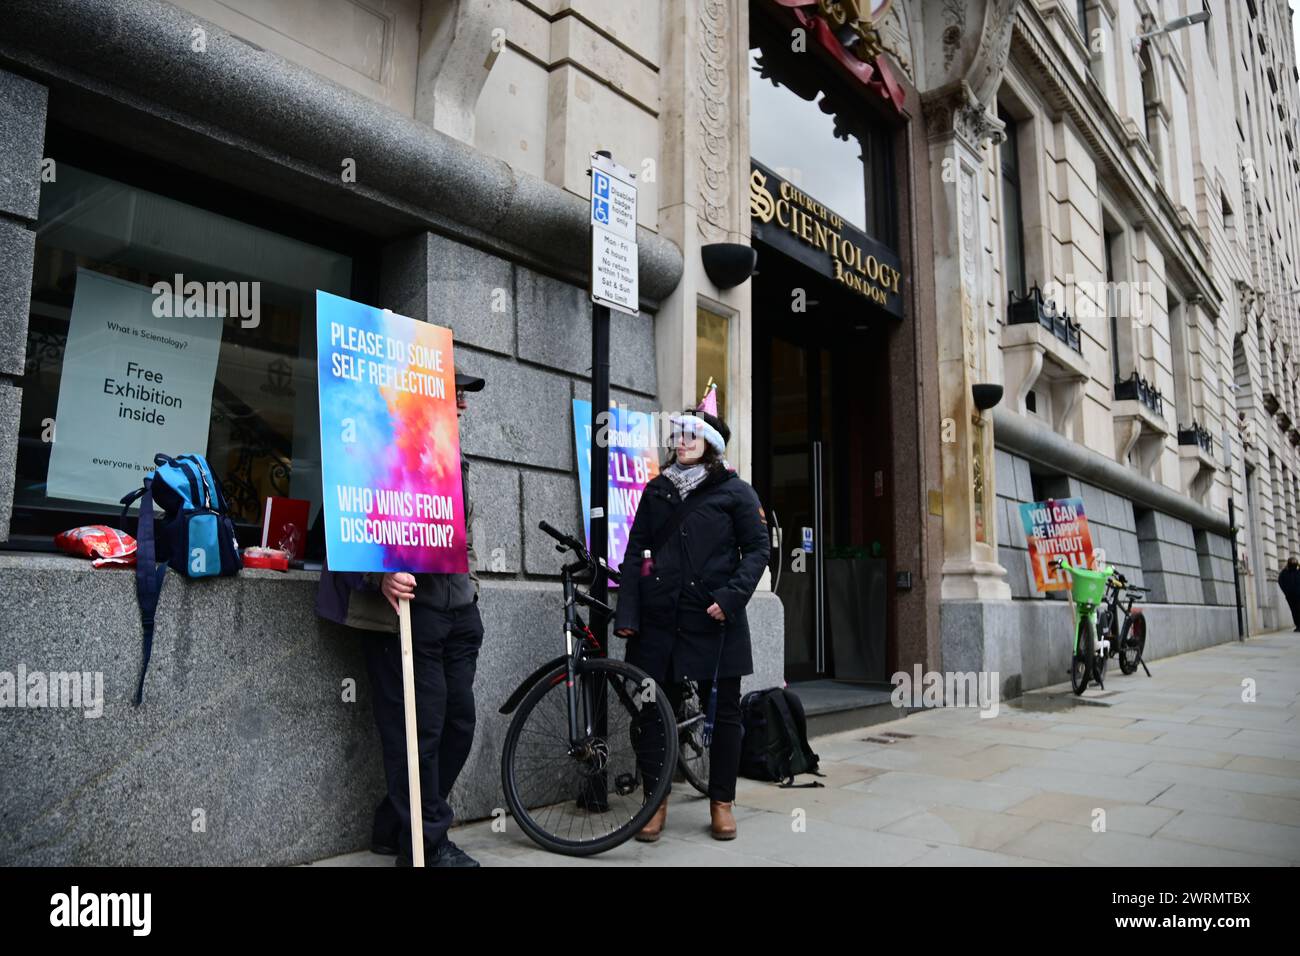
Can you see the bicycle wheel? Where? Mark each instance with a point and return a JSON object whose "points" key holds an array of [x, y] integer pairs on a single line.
{"points": [[1133, 645], [590, 798], [692, 754], [1081, 665]]}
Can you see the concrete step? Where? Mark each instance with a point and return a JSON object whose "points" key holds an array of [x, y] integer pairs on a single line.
{"points": [[835, 706]]}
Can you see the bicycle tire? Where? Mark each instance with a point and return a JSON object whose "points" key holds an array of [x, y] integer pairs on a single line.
{"points": [[1081, 663], [692, 755], [1135, 642], [523, 815]]}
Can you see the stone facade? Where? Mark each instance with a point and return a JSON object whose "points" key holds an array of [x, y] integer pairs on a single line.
{"points": [[471, 190], [1156, 189]]}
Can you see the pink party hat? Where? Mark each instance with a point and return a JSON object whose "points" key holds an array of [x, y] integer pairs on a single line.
{"points": [[709, 403]]}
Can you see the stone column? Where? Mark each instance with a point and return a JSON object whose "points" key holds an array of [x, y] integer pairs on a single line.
{"points": [[704, 197], [958, 126], [22, 140]]}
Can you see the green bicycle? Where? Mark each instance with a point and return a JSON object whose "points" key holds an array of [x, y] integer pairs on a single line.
{"points": [[1091, 651]]}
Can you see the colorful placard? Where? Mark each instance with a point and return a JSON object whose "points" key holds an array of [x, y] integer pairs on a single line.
{"points": [[1056, 528], [390, 445], [633, 461]]}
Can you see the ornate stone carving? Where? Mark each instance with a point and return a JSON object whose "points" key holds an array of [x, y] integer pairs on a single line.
{"points": [[985, 73], [955, 15], [715, 142], [955, 110], [969, 269], [896, 38]]}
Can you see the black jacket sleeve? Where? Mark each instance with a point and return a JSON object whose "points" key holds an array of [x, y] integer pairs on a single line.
{"points": [[751, 537], [628, 613]]}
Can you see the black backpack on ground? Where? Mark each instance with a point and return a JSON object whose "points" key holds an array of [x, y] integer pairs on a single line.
{"points": [[775, 745]]}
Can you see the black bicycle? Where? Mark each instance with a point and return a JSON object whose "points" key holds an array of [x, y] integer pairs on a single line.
{"points": [[1123, 625], [592, 747]]}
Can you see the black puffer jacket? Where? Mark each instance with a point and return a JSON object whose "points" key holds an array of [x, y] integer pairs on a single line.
{"points": [[717, 555]]}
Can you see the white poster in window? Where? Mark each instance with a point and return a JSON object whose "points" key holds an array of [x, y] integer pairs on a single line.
{"points": [[134, 384]]}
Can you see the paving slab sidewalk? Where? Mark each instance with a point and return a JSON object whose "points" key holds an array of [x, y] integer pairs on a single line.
{"points": [[1176, 770]]}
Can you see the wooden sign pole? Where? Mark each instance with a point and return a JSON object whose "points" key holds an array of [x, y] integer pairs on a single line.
{"points": [[412, 741]]}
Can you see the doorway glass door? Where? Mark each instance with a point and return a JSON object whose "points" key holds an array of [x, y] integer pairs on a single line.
{"points": [[822, 451]]}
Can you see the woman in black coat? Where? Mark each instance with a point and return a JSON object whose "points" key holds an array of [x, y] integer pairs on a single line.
{"points": [[683, 608]]}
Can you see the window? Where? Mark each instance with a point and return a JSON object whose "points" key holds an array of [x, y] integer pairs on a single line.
{"points": [[808, 126], [1150, 103], [1013, 226], [796, 138], [160, 326], [1112, 305], [1179, 333], [1081, 18]]}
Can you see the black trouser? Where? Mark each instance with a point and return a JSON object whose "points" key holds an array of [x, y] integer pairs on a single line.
{"points": [[1294, 604], [445, 646], [724, 752]]}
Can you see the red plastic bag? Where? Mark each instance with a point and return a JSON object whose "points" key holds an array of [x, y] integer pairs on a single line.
{"points": [[107, 546]]}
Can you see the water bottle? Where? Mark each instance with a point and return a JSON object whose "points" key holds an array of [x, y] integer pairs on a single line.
{"points": [[647, 564]]}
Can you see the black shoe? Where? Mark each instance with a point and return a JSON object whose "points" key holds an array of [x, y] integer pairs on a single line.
{"points": [[449, 854], [383, 848]]}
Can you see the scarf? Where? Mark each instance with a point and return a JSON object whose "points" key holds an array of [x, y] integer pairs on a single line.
{"points": [[686, 478]]}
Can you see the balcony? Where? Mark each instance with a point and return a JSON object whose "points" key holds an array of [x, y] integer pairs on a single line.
{"points": [[1137, 389], [1140, 425], [1196, 462], [1271, 403], [1030, 309], [1042, 353], [1196, 435], [1293, 436]]}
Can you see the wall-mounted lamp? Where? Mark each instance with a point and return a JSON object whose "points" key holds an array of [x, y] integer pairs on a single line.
{"points": [[986, 396], [728, 264], [1177, 24]]}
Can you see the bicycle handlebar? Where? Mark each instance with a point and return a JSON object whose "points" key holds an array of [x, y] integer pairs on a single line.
{"points": [[564, 539], [573, 544]]}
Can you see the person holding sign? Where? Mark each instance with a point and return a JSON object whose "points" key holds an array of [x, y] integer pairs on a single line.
{"points": [[446, 632], [696, 551]]}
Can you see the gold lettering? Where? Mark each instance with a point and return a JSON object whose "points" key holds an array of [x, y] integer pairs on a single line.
{"points": [[781, 204], [820, 235]]}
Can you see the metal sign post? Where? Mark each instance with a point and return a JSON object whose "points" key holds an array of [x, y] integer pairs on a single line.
{"points": [[614, 284]]}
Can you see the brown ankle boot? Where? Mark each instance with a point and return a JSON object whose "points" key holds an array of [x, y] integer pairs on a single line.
{"points": [[723, 823], [654, 826]]}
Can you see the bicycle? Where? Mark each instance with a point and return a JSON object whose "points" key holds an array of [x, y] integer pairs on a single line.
{"points": [[1091, 652], [1128, 640], [588, 732]]}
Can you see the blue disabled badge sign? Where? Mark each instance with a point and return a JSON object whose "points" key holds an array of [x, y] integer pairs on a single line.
{"points": [[613, 236]]}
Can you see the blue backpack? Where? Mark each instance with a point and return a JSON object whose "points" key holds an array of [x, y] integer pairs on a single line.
{"points": [[195, 535]]}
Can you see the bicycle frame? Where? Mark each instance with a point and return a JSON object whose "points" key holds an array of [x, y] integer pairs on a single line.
{"points": [[578, 639]]}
